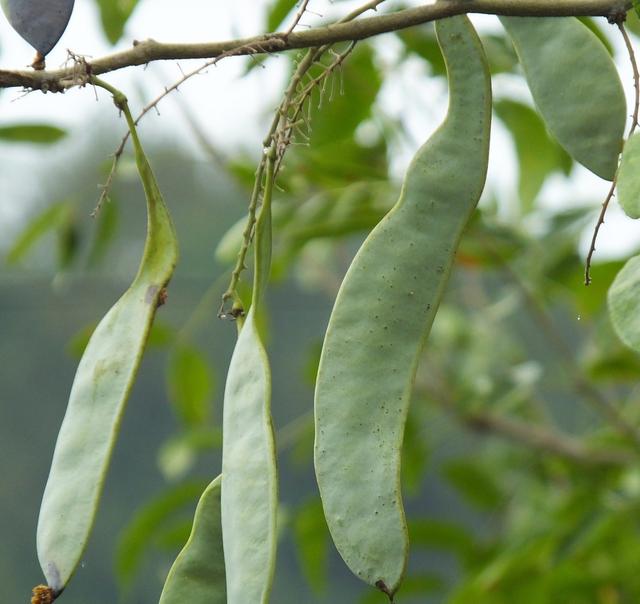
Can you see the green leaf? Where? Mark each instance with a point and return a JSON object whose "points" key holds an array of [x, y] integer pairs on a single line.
{"points": [[629, 177], [278, 12], [474, 483], [538, 154], [422, 42], [190, 384], [42, 134], [138, 536], [575, 85], [178, 453], [49, 219], [107, 222], [624, 301], [597, 30], [346, 99], [114, 15], [312, 543], [68, 240], [442, 535]]}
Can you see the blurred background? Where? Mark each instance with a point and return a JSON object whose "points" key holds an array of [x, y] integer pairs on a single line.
{"points": [[519, 487]]}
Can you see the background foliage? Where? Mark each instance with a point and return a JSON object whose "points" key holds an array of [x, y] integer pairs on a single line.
{"points": [[519, 488]]}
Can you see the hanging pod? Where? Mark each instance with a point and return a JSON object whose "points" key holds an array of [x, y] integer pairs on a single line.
{"points": [[100, 390], [575, 86], [382, 317], [197, 575], [249, 497]]}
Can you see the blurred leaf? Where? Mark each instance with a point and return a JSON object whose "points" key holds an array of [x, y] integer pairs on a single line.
{"points": [[487, 243], [345, 100], [107, 221], [190, 383], [474, 483], [43, 134], [140, 534], [310, 368], [415, 454], [69, 234], [607, 358], [442, 535], [160, 336], [114, 15], [49, 219], [500, 53], [422, 42], [633, 20], [312, 544], [278, 12], [178, 453], [174, 535], [624, 303], [538, 154]]}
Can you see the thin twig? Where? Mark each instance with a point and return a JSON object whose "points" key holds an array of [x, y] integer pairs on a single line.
{"points": [[535, 437], [634, 123], [596, 230], [296, 19], [279, 135]]}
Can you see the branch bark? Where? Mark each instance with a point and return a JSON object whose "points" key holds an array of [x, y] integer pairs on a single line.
{"points": [[147, 51]]}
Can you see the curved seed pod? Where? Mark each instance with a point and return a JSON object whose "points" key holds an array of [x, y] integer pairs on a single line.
{"points": [[197, 575], [383, 315], [629, 177], [100, 390], [39, 22], [575, 86], [249, 481]]}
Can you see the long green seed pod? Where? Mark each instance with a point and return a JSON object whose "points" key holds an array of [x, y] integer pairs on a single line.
{"points": [[382, 317], [100, 390]]}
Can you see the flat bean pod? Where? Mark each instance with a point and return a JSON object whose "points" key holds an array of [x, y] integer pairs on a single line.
{"points": [[249, 481], [197, 575], [100, 390], [576, 87], [382, 317]]}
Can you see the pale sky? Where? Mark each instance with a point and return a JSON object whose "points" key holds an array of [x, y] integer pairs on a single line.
{"points": [[234, 110]]}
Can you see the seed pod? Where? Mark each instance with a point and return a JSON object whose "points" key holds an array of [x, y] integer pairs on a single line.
{"points": [[575, 86], [383, 315], [249, 500], [100, 391], [197, 575]]}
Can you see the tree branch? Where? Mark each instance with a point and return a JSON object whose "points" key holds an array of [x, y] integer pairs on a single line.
{"points": [[150, 50], [535, 437]]}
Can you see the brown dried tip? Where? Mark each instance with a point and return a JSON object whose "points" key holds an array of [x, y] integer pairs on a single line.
{"points": [[381, 585], [38, 63], [42, 594]]}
